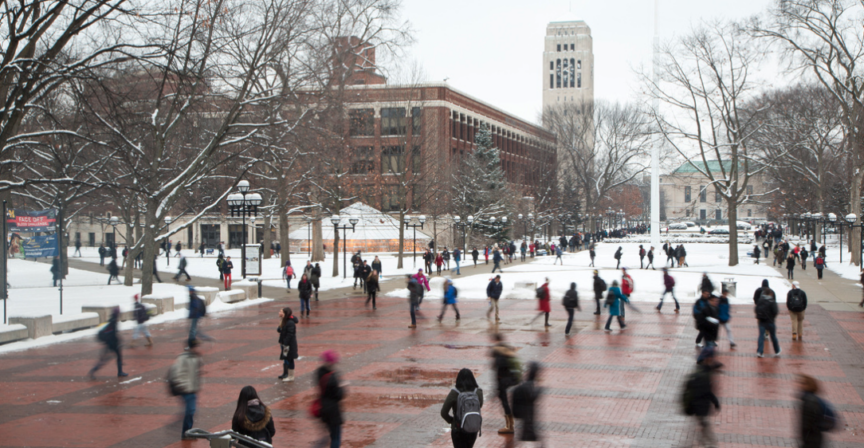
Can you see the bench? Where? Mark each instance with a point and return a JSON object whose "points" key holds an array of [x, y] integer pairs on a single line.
{"points": [[13, 332], [127, 312], [248, 287], [232, 296], [73, 322], [207, 293], [164, 303], [37, 326]]}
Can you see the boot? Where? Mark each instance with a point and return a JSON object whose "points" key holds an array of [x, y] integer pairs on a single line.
{"points": [[149, 342], [289, 376], [284, 372], [508, 425]]}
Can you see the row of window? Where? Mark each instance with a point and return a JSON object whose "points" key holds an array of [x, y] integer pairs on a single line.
{"points": [[572, 47], [465, 128], [703, 194], [718, 214], [565, 70], [393, 160], [361, 122]]}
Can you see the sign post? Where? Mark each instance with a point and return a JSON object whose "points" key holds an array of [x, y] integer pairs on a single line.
{"points": [[253, 259]]}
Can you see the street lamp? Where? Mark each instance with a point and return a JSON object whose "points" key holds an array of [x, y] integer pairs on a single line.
{"points": [[335, 219], [832, 218], [463, 226], [407, 219], [167, 243], [499, 225], [308, 220], [851, 218], [114, 221], [244, 204]]}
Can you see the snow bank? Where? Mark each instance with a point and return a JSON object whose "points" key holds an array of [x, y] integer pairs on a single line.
{"points": [[680, 239]]}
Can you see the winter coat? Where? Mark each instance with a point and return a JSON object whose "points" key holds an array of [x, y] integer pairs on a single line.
{"points": [[615, 308], [450, 295], [141, 315], [189, 374], [257, 425], [772, 311], [724, 310], [422, 281], [702, 390], [543, 302], [450, 405], [376, 266], [790, 263], [372, 285], [651, 255], [706, 284], [305, 289], [796, 292], [571, 297], [811, 421], [496, 257], [668, 281], [618, 254], [446, 255], [113, 270], [708, 329], [439, 260], [626, 285], [288, 336], [415, 291], [528, 408], [109, 333], [502, 365], [475, 254], [316, 275], [599, 285], [457, 256], [227, 265], [493, 290], [332, 394], [760, 290], [197, 307]]}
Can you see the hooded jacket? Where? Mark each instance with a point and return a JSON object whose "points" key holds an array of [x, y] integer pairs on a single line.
{"points": [[493, 290], [288, 336], [760, 290], [258, 424]]}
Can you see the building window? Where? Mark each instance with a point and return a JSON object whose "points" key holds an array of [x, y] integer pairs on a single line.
{"points": [[687, 213], [703, 214], [749, 213], [551, 81], [572, 73], [558, 73], [717, 196], [416, 120], [361, 122], [749, 190], [416, 160], [362, 160], [559, 47], [566, 73], [391, 202], [416, 199], [391, 159], [686, 194], [718, 214], [393, 121], [551, 65], [579, 80], [572, 47], [703, 194], [579, 64]]}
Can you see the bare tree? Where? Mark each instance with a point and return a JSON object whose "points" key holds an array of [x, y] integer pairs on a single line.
{"points": [[823, 40]]}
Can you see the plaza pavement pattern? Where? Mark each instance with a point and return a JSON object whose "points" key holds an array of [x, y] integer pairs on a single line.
{"points": [[600, 390]]}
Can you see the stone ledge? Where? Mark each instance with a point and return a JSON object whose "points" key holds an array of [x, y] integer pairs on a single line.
{"points": [[12, 333], [232, 296], [163, 303], [37, 326], [207, 293], [73, 322]]}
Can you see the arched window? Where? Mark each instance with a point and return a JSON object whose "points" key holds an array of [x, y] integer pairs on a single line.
{"points": [[558, 73], [572, 72], [566, 74]]}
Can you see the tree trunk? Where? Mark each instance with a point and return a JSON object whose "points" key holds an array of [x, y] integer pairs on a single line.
{"points": [[150, 249], [733, 231], [855, 207], [128, 273], [335, 253], [317, 241], [284, 239], [401, 239], [63, 243], [268, 239]]}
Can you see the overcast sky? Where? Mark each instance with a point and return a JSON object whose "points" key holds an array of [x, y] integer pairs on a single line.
{"points": [[493, 49]]}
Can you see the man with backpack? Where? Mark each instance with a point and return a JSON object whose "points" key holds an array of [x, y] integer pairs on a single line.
{"points": [[109, 336], [697, 311], [508, 373], [796, 303], [707, 319], [197, 310], [141, 318], [599, 289], [182, 269], [819, 264], [184, 380], [641, 257], [450, 295], [493, 293], [699, 395], [571, 304], [618, 258], [669, 288], [766, 313]]}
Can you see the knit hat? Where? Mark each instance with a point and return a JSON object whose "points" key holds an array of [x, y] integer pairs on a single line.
{"points": [[330, 357]]}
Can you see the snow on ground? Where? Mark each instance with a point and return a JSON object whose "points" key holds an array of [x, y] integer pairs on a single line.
{"points": [[711, 258], [272, 268], [845, 269]]}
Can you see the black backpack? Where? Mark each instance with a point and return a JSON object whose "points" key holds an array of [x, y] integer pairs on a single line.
{"points": [[571, 300], [538, 293], [763, 308], [610, 299], [796, 302]]}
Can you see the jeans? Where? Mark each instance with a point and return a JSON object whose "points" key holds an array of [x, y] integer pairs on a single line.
{"points": [[569, 319], [413, 314], [304, 304], [597, 297], [181, 272], [557, 259], [140, 329], [493, 306], [668, 291], [497, 266], [609, 322], [103, 357], [289, 282], [335, 435], [772, 330], [372, 298], [789, 273], [728, 331], [194, 332], [458, 271], [444, 308], [189, 400], [706, 435]]}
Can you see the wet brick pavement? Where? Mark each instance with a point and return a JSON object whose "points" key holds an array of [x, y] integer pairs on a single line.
{"points": [[602, 390]]}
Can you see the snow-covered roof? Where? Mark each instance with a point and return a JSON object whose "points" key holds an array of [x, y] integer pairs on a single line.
{"points": [[372, 225]]}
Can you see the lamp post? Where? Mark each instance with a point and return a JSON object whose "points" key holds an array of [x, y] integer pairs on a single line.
{"points": [[167, 244], [832, 218], [308, 234], [620, 218], [499, 224], [463, 226], [244, 204], [335, 219], [851, 218], [422, 219]]}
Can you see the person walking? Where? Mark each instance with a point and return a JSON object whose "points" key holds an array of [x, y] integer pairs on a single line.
{"points": [[113, 270], [219, 261], [707, 320], [330, 394], [181, 268], [766, 313], [756, 253], [56, 271], [496, 258], [428, 258], [446, 256], [457, 258], [493, 293], [101, 255], [599, 289], [761, 290], [376, 266], [543, 303], [109, 336], [558, 254], [642, 254], [651, 259], [707, 284], [592, 254], [615, 302], [681, 253], [803, 254], [725, 315], [702, 302], [571, 304], [197, 310], [227, 266], [505, 364], [450, 294], [304, 289], [287, 343], [475, 255], [819, 264], [790, 266], [156, 272], [201, 248], [617, 256], [252, 418], [357, 264], [464, 401], [525, 401], [184, 379], [699, 396], [77, 248], [439, 262], [177, 249], [315, 279], [670, 254], [669, 288], [141, 318], [796, 303], [372, 288], [423, 281], [523, 250], [289, 273], [414, 295], [816, 414]]}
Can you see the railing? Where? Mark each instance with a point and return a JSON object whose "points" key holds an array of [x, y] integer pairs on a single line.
{"points": [[226, 439]]}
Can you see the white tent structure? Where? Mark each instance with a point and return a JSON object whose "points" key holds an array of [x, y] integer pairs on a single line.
{"points": [[375, 231]]}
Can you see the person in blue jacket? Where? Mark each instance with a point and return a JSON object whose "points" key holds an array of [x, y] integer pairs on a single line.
{"points": [[615, 307], [725, 316], [450, 295]]}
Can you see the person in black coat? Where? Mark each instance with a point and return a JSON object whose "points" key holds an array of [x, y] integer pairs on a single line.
{"points": [[571, 304], [252, 418], [305, 290], [505, 377], [763, 289], [599, 289], [331, 394], [708, 320], [812, 413], [113, 270], [790, 266], [701, 389], [108, 335], [372, 288], [475, 254], [288, 343], [493, 293], [618, 257], [526, 397], [56, 271], [706, 284]]}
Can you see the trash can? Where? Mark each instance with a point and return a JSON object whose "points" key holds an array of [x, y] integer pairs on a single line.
{"points": [[729, 284]]}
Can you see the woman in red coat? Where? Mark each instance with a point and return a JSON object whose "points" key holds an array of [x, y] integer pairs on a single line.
{"points": [[439, 260], [543, 305]]}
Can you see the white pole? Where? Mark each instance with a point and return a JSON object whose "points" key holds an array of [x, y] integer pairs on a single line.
{"points": [[655, 148]]}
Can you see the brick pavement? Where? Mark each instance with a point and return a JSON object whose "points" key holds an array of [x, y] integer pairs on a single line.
{"points": [[602, 390]]}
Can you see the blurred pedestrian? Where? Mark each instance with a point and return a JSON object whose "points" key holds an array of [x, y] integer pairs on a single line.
{"points": [[493, 293], [227, 266], [571, 304], [496, 258], [330, 394], [181, 268], [109, 336], [699, 396], [113, 270], [599, 289], [766, 313], [372, 288], [617, 255], [668, 288], [314, 279], [252, 418], [543, 303], [615, 301], [141, 318], [287, 343], [817, 415], [464, 401], [651, 259], [289, 273], [507, 374], [790, 266], [184, 379], [304, 289], [415, 293], [450, 295], [197, 311], [725, 315], [56, 271], [439, 262], [525, 402]]}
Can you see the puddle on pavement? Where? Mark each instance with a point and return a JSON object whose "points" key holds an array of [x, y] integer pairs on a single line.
{"points": [[412, 400], [421, 376]]}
